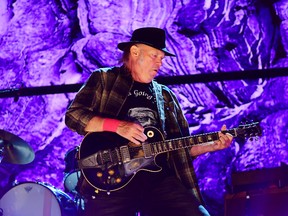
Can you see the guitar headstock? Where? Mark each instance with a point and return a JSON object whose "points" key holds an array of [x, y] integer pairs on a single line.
{"points": [[248, 130]]}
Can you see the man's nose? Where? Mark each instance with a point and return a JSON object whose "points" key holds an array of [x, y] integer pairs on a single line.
{"points": [[159, 61]]}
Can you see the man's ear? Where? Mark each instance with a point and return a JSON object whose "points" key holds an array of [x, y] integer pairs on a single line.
{"points": [[134, 50]]}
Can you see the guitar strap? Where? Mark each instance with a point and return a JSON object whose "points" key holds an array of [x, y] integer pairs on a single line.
{"points": [[160, 100]]}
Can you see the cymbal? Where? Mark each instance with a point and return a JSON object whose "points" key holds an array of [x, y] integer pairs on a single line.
{"points": [[14, 149]]}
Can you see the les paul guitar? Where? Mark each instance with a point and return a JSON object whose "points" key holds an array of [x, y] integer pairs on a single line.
{"points": [[109, 162]]}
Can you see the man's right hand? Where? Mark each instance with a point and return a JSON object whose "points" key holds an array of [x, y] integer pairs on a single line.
{"points": [[132, 131]]}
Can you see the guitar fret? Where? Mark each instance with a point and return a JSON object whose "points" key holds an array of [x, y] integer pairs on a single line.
{"points": [[176, 144], [191, 141], [159, 147], [209, 137], [195, 140], [186, 143], [180, 143], [165, 147], [200, 139], [155, 150], [204, 138], [170, 146]]}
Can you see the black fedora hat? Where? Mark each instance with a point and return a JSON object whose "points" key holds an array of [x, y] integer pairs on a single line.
{"points": [[151, 36]]}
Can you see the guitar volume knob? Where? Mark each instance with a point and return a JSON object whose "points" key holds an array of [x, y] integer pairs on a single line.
{"points": [[111, 172], [99, 174]]}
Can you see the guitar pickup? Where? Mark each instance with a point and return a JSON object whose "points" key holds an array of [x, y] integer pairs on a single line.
{"points": [[125, 154], [147, 150]]}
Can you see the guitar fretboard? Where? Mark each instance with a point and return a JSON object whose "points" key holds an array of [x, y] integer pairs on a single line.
{"points": [[152, 149]]}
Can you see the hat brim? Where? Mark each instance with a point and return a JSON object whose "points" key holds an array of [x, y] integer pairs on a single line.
{"points": [[124, 45]]}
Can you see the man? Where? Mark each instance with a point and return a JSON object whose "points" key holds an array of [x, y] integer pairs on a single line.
{"points": [[117, 100]]}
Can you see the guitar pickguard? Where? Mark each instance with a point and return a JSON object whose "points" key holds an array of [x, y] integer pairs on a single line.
{"points": [[136, 164]]}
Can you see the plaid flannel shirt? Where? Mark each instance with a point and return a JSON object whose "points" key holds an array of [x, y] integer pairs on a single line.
{"points": [[104, 94]]}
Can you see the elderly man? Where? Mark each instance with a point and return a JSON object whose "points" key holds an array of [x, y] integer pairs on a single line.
{"points": [[125, 103]]}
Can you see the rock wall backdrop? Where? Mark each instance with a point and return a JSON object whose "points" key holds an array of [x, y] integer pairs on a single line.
{"points": [[52, 43]]}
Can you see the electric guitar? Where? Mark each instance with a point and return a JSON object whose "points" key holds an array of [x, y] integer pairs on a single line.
{"points": [[109, 162]]}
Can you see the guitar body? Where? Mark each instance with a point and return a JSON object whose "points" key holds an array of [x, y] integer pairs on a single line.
{"points": [[109, 169], [109, 162]]}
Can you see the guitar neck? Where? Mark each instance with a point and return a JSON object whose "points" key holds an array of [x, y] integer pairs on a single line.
{"points": [[183, 142]]}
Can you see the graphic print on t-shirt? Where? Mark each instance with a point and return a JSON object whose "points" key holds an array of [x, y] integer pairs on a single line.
{"points": [[145, 116], [141, 105]]}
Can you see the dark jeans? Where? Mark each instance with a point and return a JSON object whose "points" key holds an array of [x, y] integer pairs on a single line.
{"points": [[150, 194]]}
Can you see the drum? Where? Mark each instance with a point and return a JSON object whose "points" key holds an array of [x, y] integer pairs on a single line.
{"points": [[36, 199], [72, 172]]}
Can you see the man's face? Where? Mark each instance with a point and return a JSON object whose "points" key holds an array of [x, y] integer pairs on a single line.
{"points": [[146, 62]]}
